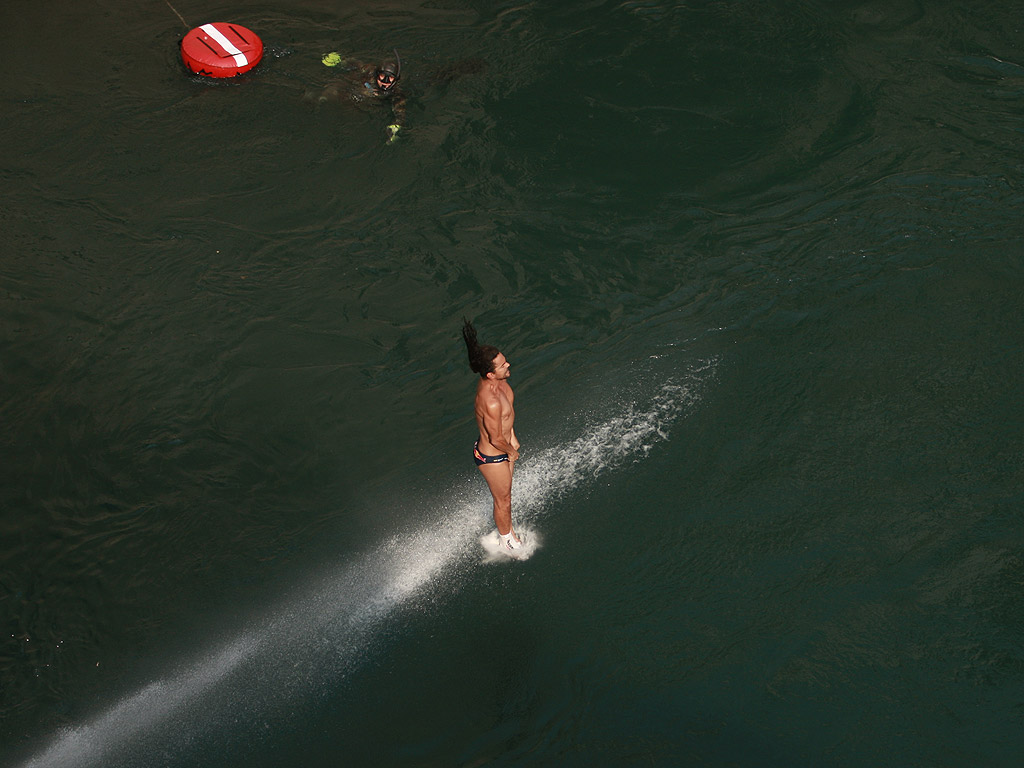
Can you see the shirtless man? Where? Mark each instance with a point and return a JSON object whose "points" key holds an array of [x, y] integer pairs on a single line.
{"points": [[497, 449]]}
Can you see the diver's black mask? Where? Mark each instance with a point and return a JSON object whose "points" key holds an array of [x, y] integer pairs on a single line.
{"points": [[388, 73]]}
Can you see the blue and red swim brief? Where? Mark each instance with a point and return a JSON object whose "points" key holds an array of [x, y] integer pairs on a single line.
{"points": [[480, 458]]}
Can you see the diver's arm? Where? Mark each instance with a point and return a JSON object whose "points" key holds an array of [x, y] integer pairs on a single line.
{"points": [[398, 114], [342, 63], [398, 108]]}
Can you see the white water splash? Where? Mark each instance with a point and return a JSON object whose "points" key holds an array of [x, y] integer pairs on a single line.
{"points": [[493, 552], [320, 634]]}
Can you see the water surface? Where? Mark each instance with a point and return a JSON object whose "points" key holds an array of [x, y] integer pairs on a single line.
{"points": [[757, 267]]}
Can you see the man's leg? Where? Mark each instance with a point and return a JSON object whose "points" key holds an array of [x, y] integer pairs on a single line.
{"points": [[499, 481]]}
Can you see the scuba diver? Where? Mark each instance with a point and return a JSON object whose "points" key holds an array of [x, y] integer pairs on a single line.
{"points": [[364, 83]]}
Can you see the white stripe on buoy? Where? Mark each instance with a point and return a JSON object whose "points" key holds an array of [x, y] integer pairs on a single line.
{"points": [[226, 44]]}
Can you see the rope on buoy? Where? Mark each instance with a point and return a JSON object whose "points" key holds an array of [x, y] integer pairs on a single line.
{"points": [[176, 13], [218, 49]]}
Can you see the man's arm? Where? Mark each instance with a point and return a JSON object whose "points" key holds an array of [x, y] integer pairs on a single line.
{"points": [[492, 426], [398, 108], [344, 63], [398, 115]]}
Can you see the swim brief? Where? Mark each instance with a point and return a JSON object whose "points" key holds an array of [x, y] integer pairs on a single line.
{"points": [[479, 458]]}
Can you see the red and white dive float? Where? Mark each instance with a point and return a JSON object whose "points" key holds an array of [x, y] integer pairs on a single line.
{"points": [[221, 50]]}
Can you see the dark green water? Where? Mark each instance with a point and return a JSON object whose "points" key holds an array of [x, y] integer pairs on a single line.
{"points": [[757, 267]]}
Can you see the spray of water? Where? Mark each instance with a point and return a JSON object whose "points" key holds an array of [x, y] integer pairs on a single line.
{"points": [[318, 636]]}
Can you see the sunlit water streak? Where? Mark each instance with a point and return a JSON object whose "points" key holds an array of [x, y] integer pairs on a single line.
{"points": [[314, 639]]}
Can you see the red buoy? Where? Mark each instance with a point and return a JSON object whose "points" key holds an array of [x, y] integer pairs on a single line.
{"points": [[221, 50]]}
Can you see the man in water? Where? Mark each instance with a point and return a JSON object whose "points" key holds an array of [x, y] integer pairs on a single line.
{"points": [[497, 449], [368, 83]]}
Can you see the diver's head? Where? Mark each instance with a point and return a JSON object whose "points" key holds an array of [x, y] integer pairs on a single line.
{"points": [[388, 74]]}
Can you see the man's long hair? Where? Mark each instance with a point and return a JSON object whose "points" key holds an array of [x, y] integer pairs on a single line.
{"points": [[481, 356]]}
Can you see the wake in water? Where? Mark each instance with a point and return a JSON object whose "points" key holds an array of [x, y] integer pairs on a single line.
{"points": [[312, 641]]}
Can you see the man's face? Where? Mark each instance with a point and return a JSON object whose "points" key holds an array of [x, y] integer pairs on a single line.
{"points": [[385, 80], [501, 368]]}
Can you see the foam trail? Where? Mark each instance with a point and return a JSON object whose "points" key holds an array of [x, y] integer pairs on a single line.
{"points": [[153, 704], [315, 638]]}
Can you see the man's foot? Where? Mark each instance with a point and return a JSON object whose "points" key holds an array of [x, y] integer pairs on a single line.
{"points": [[510, 545]]}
